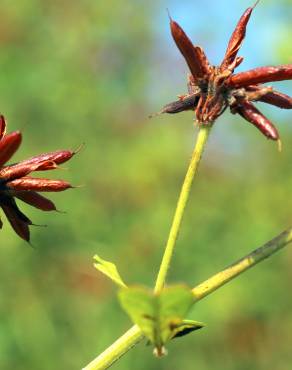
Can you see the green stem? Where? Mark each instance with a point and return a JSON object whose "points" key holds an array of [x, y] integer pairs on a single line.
{"points": [[134, 335], [181, 204], [245, 263], [116, 350]]}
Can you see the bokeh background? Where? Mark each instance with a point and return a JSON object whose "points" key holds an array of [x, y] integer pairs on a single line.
{"points": [[91, 72]]}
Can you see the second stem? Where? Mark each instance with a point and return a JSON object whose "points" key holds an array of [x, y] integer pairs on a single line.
{"points": [[181, 204]]}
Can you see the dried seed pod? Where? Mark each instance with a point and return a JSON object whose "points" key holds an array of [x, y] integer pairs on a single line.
{"points": [[248, 111], [2, 126], [39, 184], [19, 222], [278, 99], [236, 40], [217, 88], [14, 182], [194, 55], [261, 75], [9, 145], [272, 97], [187, 103], [57, 157], [36, 200], [21, 169]]}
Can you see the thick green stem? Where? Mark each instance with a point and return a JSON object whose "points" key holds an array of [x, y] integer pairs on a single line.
{"points": [[134, 335], [181, 204], [245, 263]]}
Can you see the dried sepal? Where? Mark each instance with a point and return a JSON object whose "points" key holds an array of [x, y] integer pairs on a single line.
{"points": [[9, 145], [261, 75], [194, 55], [248, 111]]}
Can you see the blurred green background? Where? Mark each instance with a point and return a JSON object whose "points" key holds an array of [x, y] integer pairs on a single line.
{"points": [[91, 72]]}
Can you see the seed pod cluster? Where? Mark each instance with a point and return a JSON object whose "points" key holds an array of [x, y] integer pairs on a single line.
{"points": [[15, 182], [212, 89]]}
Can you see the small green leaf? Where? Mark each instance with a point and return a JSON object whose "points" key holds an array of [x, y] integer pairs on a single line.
{"points": [[186, 327], [109, 269], [158, 316]]}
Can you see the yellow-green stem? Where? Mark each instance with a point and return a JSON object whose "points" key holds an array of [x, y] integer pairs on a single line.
{"points": [[116, 350], [134, 335], [181, 204], [245, 263]]}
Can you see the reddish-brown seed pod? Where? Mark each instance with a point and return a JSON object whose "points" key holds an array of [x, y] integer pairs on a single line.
{"points": [[57, 157], [38, 184], [189, 102], [16, 218], [19, 170], [36, 200], [194, 55], [2, 126], [9, 145], [248, 111], [278, 99], [273, 97], [261, 75], [20, 227], [236, 39]]}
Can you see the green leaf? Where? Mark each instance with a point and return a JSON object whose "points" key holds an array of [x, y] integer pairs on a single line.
{"points": [[186, 327], [109, 269], [158, 316]]}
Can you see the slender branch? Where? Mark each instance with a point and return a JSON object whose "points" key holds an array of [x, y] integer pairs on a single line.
{"points": [[134, 335], [116, 350], [181, 204], [245, 263]]}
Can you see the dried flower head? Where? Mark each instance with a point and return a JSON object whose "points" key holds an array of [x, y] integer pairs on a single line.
{"points": [[211, 89], [15, 181]]}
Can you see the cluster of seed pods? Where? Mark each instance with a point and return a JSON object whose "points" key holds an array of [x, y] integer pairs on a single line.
{"points": [[15, 181], [211, 89]]}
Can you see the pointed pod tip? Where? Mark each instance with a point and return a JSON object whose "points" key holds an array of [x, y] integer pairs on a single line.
{"points": [[255, 4], [59, 211], [155, 114], [168, 13], [30, 244], [39, 225], [77, 186], [79, 148]]}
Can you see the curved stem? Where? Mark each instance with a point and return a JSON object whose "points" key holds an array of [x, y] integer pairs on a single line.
{"points": [[181, 204]]}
